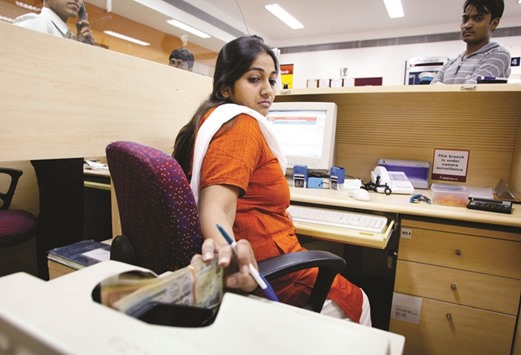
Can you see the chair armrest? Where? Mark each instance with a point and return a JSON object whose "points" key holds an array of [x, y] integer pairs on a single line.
{"points": [[329, 265], [121, 249], [7, 197]]}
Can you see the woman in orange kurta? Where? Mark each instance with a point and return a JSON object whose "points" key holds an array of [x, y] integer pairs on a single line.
{"points": [[241, 184]]}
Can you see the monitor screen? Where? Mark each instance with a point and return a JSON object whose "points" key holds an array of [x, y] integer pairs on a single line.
{"points": [[306, 132]]}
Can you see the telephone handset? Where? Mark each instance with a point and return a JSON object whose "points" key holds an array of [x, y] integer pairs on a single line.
{"points": [[82, 22], [391, 181], [82, 14]]}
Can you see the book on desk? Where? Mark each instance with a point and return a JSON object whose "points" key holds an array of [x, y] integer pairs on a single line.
{"points": [[81, 254]]}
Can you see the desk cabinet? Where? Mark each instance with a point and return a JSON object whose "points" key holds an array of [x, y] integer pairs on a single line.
{"points": [[468, 279]]}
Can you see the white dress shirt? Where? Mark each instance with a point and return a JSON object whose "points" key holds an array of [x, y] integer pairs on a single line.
{"points": [[46, 21]]}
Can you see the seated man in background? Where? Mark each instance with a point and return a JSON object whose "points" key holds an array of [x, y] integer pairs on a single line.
{"points": [[482, 57], [182, 58]]}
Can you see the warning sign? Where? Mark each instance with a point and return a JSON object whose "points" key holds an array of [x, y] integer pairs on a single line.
{"points": [[450, 165]]}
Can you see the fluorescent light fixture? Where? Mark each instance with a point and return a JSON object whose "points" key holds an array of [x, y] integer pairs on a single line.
{"points": [[284, 16], [127, 38], [6, 19], [187, 28], [394, 8], [27, 6]]}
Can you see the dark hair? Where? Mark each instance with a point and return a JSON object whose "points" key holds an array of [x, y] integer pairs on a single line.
{"points": [[183, 54], [234, 59], [493, 7]]}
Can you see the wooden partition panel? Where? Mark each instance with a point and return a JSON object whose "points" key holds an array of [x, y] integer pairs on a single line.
{"points": [[61, 98], [411, 122], [515, 178]]}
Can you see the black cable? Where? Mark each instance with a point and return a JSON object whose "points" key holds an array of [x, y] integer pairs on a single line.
{"points": [[243, 19]]}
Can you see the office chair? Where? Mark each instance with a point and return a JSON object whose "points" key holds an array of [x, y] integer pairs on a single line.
{"points": [[16, 226], [160, 220], [157, 209]]}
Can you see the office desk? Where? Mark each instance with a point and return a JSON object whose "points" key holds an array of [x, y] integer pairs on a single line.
{"points": [[62, 313], [489, 245], [399, 204], [463, 267], [392, 205]]}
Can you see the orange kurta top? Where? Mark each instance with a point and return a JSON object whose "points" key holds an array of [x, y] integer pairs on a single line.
{"points": [[238, 155]]}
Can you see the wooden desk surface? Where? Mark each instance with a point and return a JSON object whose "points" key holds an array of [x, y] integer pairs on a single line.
{"points": [[400, 204], [392, 204]]}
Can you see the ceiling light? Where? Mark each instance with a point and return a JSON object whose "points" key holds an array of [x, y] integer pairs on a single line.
{"points": [[27, 6], [127, 38], [284, 16], [6, 19], [187, 28], [394, 8]]}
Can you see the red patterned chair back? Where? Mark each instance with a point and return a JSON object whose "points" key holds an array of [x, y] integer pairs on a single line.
{"points": [[157, 209]]}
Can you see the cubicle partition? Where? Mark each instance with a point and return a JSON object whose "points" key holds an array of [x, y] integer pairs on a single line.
{"points": [[410, 122], [64, 99]]}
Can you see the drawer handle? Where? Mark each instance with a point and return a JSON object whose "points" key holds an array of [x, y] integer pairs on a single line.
{"points": [[453, 287], [458, 252], [448, 316]]}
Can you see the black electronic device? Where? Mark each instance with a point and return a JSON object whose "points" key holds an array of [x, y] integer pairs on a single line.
{"points": [[82, 14], [82, 22], [490, 205], [491, 80]]}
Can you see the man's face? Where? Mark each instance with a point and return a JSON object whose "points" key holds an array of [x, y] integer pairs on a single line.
{"points": [[64, 8], [178, 63], [476, 27]]}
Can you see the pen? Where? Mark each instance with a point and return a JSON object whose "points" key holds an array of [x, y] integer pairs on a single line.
{"points": [[261, 281]]}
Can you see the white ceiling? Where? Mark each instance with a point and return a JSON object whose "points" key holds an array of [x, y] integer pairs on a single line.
{"points": [[325, 21]]}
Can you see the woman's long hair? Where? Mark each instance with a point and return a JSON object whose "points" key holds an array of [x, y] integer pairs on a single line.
{"points": [[234, 59]]}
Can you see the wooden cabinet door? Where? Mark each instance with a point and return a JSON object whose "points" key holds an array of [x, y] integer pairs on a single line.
{"points": [[467, 288], [465, 252], [446, 328]]}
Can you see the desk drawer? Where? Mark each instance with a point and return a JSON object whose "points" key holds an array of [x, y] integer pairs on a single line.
{"points": [[466, 252], [489, 292], [446, 328]]}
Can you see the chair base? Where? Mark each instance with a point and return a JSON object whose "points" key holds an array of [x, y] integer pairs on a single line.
{"points": [[19, 258]]}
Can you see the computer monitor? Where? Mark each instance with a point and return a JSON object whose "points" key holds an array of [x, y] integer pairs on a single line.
{"points": [[306, 132]]}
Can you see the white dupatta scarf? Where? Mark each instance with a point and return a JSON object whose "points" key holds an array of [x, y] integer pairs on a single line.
{"points": [[213, 123]]}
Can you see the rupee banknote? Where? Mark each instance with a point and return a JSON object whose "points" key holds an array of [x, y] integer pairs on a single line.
{"points": [[198, 285]]}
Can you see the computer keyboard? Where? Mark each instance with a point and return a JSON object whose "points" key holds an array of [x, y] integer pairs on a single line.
{"points": [[335, 218]]}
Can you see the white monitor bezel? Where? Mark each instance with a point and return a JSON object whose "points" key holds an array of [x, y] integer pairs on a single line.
{"points": [[327, 155]]}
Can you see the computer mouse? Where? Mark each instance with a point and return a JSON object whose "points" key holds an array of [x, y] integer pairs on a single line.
{"points": [[360, 195]]}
